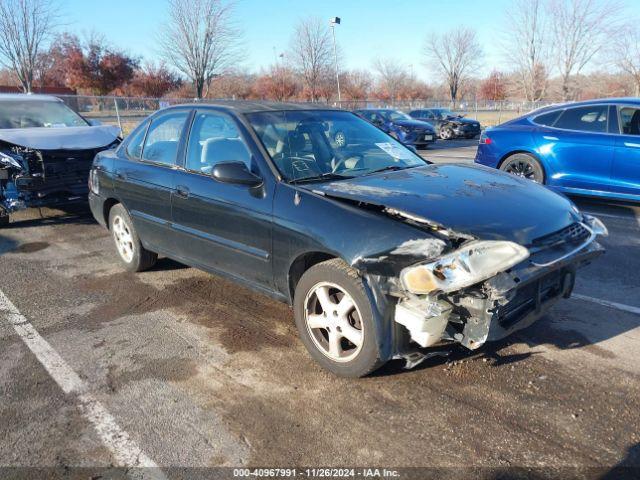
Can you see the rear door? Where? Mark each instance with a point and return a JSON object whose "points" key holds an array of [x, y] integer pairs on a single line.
{"points": [[223, 226], [144, 177], [625, 172], [579, 148]]}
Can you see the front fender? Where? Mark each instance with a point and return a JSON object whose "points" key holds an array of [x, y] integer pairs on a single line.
{"points": [[305, 221]]}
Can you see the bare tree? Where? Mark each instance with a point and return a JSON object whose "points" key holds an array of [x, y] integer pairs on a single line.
{"points": [[311, 53], [455, 55], [527, 47], [25, 28], [625, 51], [392, 77], [581, 28], [200, 40]]}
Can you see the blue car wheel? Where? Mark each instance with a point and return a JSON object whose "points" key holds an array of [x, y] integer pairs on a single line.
{"points": [[525, 166]]}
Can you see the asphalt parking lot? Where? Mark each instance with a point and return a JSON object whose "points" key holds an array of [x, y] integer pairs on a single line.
{"points": [[177, 368]]}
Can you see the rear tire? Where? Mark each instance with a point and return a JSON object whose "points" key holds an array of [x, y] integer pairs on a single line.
{"points": [[131, 252], [332, 309], [524, 165], [4, 220]]}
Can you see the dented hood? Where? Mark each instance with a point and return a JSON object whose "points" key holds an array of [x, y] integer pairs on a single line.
{"points": [[61, 138], [474, 200]]}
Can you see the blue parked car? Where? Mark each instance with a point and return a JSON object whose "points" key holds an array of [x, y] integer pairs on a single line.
{"points": [[585, 148], [401, 126]]}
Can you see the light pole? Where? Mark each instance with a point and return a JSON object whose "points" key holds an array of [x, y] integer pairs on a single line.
{"points": [[332, 23]]}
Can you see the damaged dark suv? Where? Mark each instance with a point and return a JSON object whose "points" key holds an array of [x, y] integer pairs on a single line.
{"points": [[46, 151], [381, 254]]}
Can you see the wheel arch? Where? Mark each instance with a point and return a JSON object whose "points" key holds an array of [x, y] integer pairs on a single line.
{"points": [[301, 264], [545, 170], [108, 204]]}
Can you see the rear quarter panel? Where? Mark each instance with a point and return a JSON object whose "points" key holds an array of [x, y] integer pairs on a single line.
{"points": [[505, 141]]}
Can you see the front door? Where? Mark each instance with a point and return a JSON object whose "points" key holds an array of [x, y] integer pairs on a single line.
{"points": [[144, 177], [222, 226], [625, 173]]}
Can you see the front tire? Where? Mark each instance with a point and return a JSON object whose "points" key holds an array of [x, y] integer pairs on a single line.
{"points": [[335, 319], [133, 255], [524, 165], [446, 133], [4, 220]]}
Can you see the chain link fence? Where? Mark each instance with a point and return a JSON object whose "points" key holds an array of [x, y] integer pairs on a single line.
{"points": [[127, 112]]}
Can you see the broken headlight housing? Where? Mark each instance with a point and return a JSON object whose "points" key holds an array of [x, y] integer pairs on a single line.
{"points": [[472, 263], [596, 225]]}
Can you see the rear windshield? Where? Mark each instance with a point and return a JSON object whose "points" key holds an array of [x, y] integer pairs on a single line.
{"points": [[36, 113]]}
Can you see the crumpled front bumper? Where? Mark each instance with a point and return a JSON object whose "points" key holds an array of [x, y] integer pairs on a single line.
{"points": [[497, 307], [512, 301]]}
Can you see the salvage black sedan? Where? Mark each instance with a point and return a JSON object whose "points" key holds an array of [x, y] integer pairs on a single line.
{"points": [[46, 151], [381, 254], [448, 124]]}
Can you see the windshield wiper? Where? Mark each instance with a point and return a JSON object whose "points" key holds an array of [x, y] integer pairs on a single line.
{"points": [[389, 168], [323, 177]]}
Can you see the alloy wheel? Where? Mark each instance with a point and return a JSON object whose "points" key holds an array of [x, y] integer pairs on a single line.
{"points": [[340, 139], [123, 238], [522, 167], [334, 322], [446, 133]]}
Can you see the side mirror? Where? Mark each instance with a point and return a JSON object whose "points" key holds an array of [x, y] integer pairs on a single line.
{"points": [[94, 122], [235, 172]]}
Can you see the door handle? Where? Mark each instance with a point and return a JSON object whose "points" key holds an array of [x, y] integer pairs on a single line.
{"points": [[120, 175], [632, 145], [182, 191]]}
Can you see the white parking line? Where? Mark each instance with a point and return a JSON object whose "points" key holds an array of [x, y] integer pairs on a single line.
{"points": [[608, 215], [607, 303], [125, 451]]}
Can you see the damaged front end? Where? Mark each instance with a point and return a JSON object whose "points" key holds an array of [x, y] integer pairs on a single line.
{"points": [[32, 177], [471, 291]]}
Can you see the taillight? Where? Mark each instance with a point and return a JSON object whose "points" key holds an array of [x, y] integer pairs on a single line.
{"points": [[485, 140]]}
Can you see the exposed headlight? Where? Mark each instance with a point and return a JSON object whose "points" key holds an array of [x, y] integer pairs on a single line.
{"points": [[596, 225], [464, 267]]}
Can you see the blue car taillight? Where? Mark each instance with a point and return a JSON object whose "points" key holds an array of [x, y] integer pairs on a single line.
{"points": [[485, 139]]}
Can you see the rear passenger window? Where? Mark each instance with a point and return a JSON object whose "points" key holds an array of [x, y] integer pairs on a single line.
{"points": [[630, 120], [134, 147], [584, 119], [547, 119], [161, 145], [215, 138]]}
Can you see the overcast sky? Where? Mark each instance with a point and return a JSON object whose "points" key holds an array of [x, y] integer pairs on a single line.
{"points": [[370, 28]]}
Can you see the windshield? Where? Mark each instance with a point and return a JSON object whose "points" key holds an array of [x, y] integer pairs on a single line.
{"points": [[446, 113], [396, 115], [38, 113], [317, 144]]}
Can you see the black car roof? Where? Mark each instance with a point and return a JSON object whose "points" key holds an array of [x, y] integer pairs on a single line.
{"points": [[246, 106]]}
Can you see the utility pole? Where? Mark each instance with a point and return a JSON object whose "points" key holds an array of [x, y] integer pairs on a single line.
{"points": [[332, 23]]}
